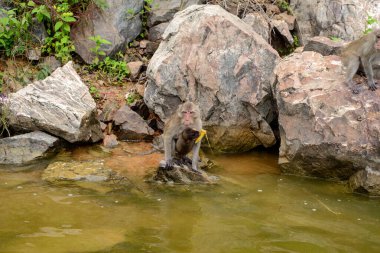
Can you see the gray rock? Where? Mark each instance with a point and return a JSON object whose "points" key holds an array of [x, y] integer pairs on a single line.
{"points": [[119, 23], [155, 32], [216, 59], [131, 125], [259, 23], [342, 19], [25, 148], [164, 10], [326, 131], [324, 46], [52, 63], [78, 171], [60, 105], [366, 181]]}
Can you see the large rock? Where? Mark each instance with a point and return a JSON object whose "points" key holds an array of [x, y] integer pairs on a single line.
{"points": [[216, 59], [343, 19], [26, 148], [326, 131], [60, 105], [118, 23]]}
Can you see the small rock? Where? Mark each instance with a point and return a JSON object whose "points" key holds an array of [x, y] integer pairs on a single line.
{"points": [[110, 141], [135, 68], [143, 43]]}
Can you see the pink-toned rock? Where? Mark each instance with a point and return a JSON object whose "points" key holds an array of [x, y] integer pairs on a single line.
{"points": [[110, 141], [326, 131], [216, 59], [135, 68]]}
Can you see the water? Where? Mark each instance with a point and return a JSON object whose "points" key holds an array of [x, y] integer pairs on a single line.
{"points": [[252, 209]]}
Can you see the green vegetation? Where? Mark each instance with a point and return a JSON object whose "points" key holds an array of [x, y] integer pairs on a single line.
{"points": [[284, 6], [335, 39], [94, 92], [132, 97], [370, 21], [4, 112], [99, 41], [116, 68]]}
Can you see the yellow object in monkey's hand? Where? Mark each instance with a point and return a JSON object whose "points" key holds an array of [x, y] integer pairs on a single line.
{"points": [[202, 133]]}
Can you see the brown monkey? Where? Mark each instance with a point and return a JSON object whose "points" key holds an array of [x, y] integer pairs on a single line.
{"points": [[186, 116], [184, 144], [362, 50]]}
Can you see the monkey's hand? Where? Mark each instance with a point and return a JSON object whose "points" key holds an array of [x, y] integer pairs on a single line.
{"points": [[169, 164], [372, 86]]}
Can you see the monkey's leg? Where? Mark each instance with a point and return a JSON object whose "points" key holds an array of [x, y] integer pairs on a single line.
{"points": [[352, 66], [169, 142], [194, 162], [367, 65]]}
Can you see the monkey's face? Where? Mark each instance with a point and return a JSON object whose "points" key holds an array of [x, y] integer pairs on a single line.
{"points": [[189, 113]]}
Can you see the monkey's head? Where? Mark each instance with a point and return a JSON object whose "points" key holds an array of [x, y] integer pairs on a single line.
{"points": [[188, 112], [190, 134]]}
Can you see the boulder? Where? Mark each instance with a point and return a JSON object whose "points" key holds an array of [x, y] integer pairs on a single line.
{"points": [[92, 171], [60, 105], [366, 181], [342, 19], [131, 126], [324, 46], [118, 23], [326, 131], [25, 148], [164, 10], [217, 60]]}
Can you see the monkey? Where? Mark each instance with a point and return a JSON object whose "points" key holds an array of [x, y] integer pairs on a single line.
{"points": [[184, 144], [187, 115], [364, 51]]}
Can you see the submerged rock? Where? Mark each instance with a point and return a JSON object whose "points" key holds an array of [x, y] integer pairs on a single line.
{"points": [[78, 171], [366, 181], [24, 148], [181, 174]]}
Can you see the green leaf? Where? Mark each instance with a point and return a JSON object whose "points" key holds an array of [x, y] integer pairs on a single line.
{"points": [[58, 25], [69, 19]]}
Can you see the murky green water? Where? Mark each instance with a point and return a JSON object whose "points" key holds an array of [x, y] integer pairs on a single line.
{"points": [[252, 209]]}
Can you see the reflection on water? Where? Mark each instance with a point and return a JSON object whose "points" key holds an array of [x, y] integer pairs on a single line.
{"points": [[252, 209]]}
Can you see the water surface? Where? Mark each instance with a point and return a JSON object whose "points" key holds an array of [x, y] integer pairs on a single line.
{"points": [[252, 209]]}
